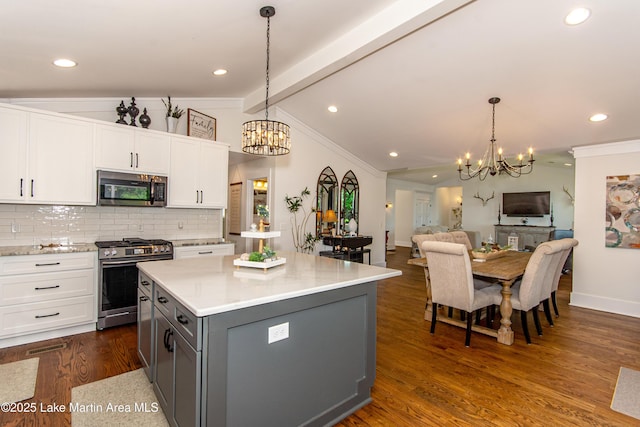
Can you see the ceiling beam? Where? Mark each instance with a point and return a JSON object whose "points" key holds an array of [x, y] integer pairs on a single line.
{"points": [[393, 23]]}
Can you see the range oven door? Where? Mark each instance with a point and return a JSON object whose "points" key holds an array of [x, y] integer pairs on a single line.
{"points": [[118, 296]]}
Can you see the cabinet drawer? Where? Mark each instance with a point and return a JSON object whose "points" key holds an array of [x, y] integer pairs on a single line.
{"points": [[145, 284], [42, 316], [29, 288], [180, 318], [45, 263], [204, 250]]}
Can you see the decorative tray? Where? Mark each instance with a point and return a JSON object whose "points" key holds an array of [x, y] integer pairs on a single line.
{"points": [[488, 255], [259, 264]]}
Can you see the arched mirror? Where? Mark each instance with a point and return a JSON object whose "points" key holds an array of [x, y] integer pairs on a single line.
{"points": [[349, 203], [327, 203]]}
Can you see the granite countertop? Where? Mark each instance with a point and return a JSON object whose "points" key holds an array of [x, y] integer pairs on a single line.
{"points": [[44, 250], [212, 285], [199, 242]]}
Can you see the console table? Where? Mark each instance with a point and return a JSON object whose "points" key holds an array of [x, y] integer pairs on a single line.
{"points": [[350, 248], [528, 235]]}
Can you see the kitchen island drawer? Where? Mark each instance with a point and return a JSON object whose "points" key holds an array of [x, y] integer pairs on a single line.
{"points": [[180, 318], [46, 315], [30, 288], [28, 264]]}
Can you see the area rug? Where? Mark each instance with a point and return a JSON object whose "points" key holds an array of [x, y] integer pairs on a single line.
{"points": [[18, 380], [123, 400], [626, 397]]}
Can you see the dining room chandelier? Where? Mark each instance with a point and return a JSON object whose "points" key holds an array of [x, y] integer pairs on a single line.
{"points": [[493, 162], [266, 137]]}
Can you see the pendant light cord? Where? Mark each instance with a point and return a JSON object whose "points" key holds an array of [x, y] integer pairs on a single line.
{"points": [[266, 101]]}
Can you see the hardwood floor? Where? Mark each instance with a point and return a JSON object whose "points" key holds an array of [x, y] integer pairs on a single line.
{"points": [[565, 377]]}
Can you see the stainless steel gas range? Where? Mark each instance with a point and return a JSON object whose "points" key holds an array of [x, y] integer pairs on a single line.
{"points": [[118, 276]]}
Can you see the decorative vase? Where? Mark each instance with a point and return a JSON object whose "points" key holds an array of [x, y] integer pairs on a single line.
{"points": [[133, 112], [122, 111], [172, 124], [353, 227], [144, 119]]}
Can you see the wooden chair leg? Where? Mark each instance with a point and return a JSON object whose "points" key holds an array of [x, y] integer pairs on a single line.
{"points": [[478, 316], [547, 312], [555, 303], [434, 316], [525, 328], [467, 339], [536, 320], [463, 315], [450, 312]]}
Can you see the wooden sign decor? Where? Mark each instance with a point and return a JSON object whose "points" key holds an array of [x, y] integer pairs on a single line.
{"points": [[200, 125]]}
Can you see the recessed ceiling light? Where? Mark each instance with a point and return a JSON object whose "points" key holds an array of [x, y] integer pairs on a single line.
{"points": [[434, 176], [64, 63], [393, 154], [220, 72], [598, 117], [577, 16], [333, 108]]}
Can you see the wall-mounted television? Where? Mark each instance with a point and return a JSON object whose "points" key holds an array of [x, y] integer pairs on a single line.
{"points": [[533, 203]]}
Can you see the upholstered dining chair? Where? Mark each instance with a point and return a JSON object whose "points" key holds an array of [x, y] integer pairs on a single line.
{"points": [[452, 282], [568, 245], [535, 286], [462, 237], [419, 238]]}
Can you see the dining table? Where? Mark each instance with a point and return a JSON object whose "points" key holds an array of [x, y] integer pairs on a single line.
{"points": [[505, 268]]}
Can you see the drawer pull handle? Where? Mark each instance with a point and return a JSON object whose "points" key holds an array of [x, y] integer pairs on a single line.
{"points": [[162, 300], [183, 320], [144, 298], [205, 252], [47, 315], [47, 287], [47, 264], [167, 340], [145, 283]]}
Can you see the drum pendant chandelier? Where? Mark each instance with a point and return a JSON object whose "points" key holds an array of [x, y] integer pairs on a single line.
{"points": [[266, 137], [493, 163]]}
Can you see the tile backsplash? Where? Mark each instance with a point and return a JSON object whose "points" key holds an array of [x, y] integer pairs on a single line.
{"points": [[45, 224]]}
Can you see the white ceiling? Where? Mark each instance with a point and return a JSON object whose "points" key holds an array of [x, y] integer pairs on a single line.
{"points": [[411, 76]]}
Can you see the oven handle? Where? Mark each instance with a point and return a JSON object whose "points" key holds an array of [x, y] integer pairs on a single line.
{"points": [[108, 263]]}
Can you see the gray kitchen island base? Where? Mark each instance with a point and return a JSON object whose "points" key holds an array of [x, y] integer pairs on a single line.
{"points": [[320, 374]]}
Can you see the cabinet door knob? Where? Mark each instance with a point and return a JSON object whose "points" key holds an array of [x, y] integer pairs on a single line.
{"points": [[131, 159], [145, 283], [21, 182], [144, 298], [31, 188], [162, 300], [183, 320]]}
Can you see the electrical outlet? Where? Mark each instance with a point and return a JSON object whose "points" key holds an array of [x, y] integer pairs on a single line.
{"points": [[278, 332], [140, 227], [15, 228]]}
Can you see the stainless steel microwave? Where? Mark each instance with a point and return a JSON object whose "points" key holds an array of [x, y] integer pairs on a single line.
{"points": [[131, 189]]}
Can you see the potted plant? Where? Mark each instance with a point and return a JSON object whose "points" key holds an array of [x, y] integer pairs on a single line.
{"points": [[173, 114], [263, 213], [303, 241]]}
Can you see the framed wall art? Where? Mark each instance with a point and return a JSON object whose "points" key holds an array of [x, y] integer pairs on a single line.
{"points": [[200, 125], [622, 219]]}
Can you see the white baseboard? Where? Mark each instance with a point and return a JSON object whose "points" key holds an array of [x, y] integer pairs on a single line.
{"points": [[609, 305], [40, 336]]}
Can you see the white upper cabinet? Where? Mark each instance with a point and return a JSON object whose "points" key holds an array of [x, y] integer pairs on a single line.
{"points": [[198, 175], [46, 159], [129, 149], [13, 154]]}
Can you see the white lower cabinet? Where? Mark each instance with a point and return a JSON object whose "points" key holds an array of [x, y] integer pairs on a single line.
{"points": [[203, 250], [47, 292]]}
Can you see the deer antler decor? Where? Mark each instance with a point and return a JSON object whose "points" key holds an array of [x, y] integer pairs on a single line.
{"points": [[484, 201], [568, 194]]}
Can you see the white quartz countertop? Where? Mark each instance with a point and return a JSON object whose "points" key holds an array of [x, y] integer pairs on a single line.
{"points": [[214, 285]]}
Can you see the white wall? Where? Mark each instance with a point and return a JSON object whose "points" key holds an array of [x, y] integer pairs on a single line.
{"points": [[603, 278], [476, 217]]}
